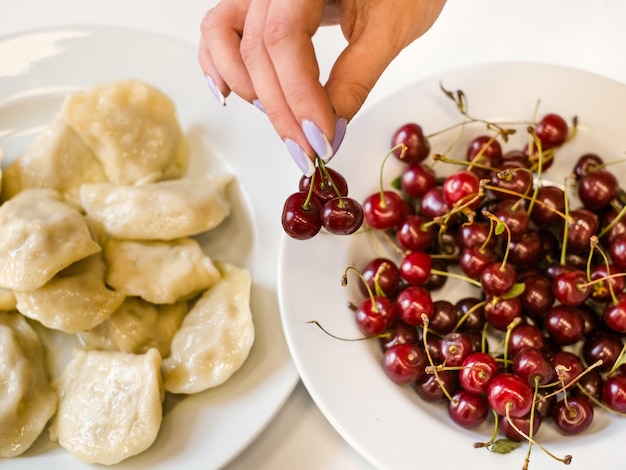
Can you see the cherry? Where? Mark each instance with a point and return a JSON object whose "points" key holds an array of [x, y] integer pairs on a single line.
{"points": [[568, 365], [604, 346], [533, 365], [614, 392], [475, 259], [565, 324], [381, 274], [462, 187], [526, 251], [602, 288], [583, 225], [485, 150], [586, 163], [514, 216], [475, 234], [415, 233], [413, 302], [433, 203], [574, 415], [383, 210], [416, 179], [476, 372], [398, 333], [614, 314], [301, 217], [597, 189], [525, 336], [417, 145], [571, 287], [375, 315], [455, 347], [468, 409], [404, 363], [342, 215], [472, 314], [551, 202], [552, 131], [499, 313], [522, 423], [444, 317], [325, 186], [497, 278], [617, 250], [510, 395], [511, 180], [591, 384], [431, 386], [537, 297], [415, 267]]}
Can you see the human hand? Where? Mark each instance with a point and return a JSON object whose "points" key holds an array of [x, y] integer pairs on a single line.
{"points": [[262, 50]]}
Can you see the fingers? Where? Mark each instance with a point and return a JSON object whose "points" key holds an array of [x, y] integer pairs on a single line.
{"points": [[219, 55]]}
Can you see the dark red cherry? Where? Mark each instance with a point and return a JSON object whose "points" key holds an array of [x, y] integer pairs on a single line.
{"points": [[416, 179], [534, 365], [325, 186], [498, 278], [551, 203], [301, 216], [522, 423], [476, 372], [582, 226], [381, 274], [430, 386], [571, 287], [383, 210], [375, 315], [614, 314], [404, 363], [462, 188], [614, 392], [416, 233], [552, 130], [468, 409], [413, 302], [586, 163], [565, 324], [417, 145], [342, 215], [574, 415], [510, 395]]}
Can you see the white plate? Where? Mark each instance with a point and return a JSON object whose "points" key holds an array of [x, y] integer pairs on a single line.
{"points": [[388, 424], [205, 430]]}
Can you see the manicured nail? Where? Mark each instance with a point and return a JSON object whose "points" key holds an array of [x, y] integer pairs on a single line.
{"points": [[317, 139], [300, 157], [340, 132], [259, 106], [216, 91]]}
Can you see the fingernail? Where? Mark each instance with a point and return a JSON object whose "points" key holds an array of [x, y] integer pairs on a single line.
{"points": [[317, 139], [300, 157], [259, 106], [340, 132], [216, 91]]}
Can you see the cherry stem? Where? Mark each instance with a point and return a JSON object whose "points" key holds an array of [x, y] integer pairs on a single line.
{"points": [[494, 435], [571, 382], [534, 139], [566, 460], [618, 360], [516, 321], [531, 428], [344, 282], [456, 276], [523, 196], [425, 321], [403, 149], [593, 242], [322, 166], [494, 220], [469, 312], [316, 323], [611, 224], [563, 260]]}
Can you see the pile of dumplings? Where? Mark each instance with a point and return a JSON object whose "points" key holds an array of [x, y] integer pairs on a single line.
{"points": [[97, 227]]}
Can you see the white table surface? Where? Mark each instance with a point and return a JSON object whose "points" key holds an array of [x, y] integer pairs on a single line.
{"points": [[588, 35]]}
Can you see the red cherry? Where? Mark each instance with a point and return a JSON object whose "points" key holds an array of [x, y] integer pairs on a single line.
{"points": [[301, 219], [413, 302], [417, 145], [404, 363], [415, 267], [383, 210], [552, 131], [477, 371], [509, 394]]}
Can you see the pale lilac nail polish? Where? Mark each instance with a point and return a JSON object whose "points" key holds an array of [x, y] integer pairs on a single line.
{"points": [[340, 132], [216, 91], [300, 157], [259, 106], [317, 139]]}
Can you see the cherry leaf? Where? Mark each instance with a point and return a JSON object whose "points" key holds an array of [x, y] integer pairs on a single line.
{"points": [[515, 291], [499, 227], [504, 446]]}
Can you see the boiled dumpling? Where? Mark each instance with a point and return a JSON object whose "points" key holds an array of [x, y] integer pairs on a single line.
{"points": [[137, 326], [41, 235], [110, 405], [58, 159], [8, 303], [27, 401], [158, 271], [215, 338], [165, 210], [76, 299], [132, 128]]}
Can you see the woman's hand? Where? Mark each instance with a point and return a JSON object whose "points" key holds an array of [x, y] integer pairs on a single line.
{"points": [[262, 50]]}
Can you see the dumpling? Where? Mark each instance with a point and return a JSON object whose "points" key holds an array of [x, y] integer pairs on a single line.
{"points": [[76, 299], [41, 235], [158, 271], [164, 210], [137, 326], [27, 400], [8, 303], [58, 159], [110, 405], [132, 128], [215, 338]]}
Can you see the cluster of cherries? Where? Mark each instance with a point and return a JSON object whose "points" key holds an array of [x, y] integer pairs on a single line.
{"points": [[542, 339]]}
